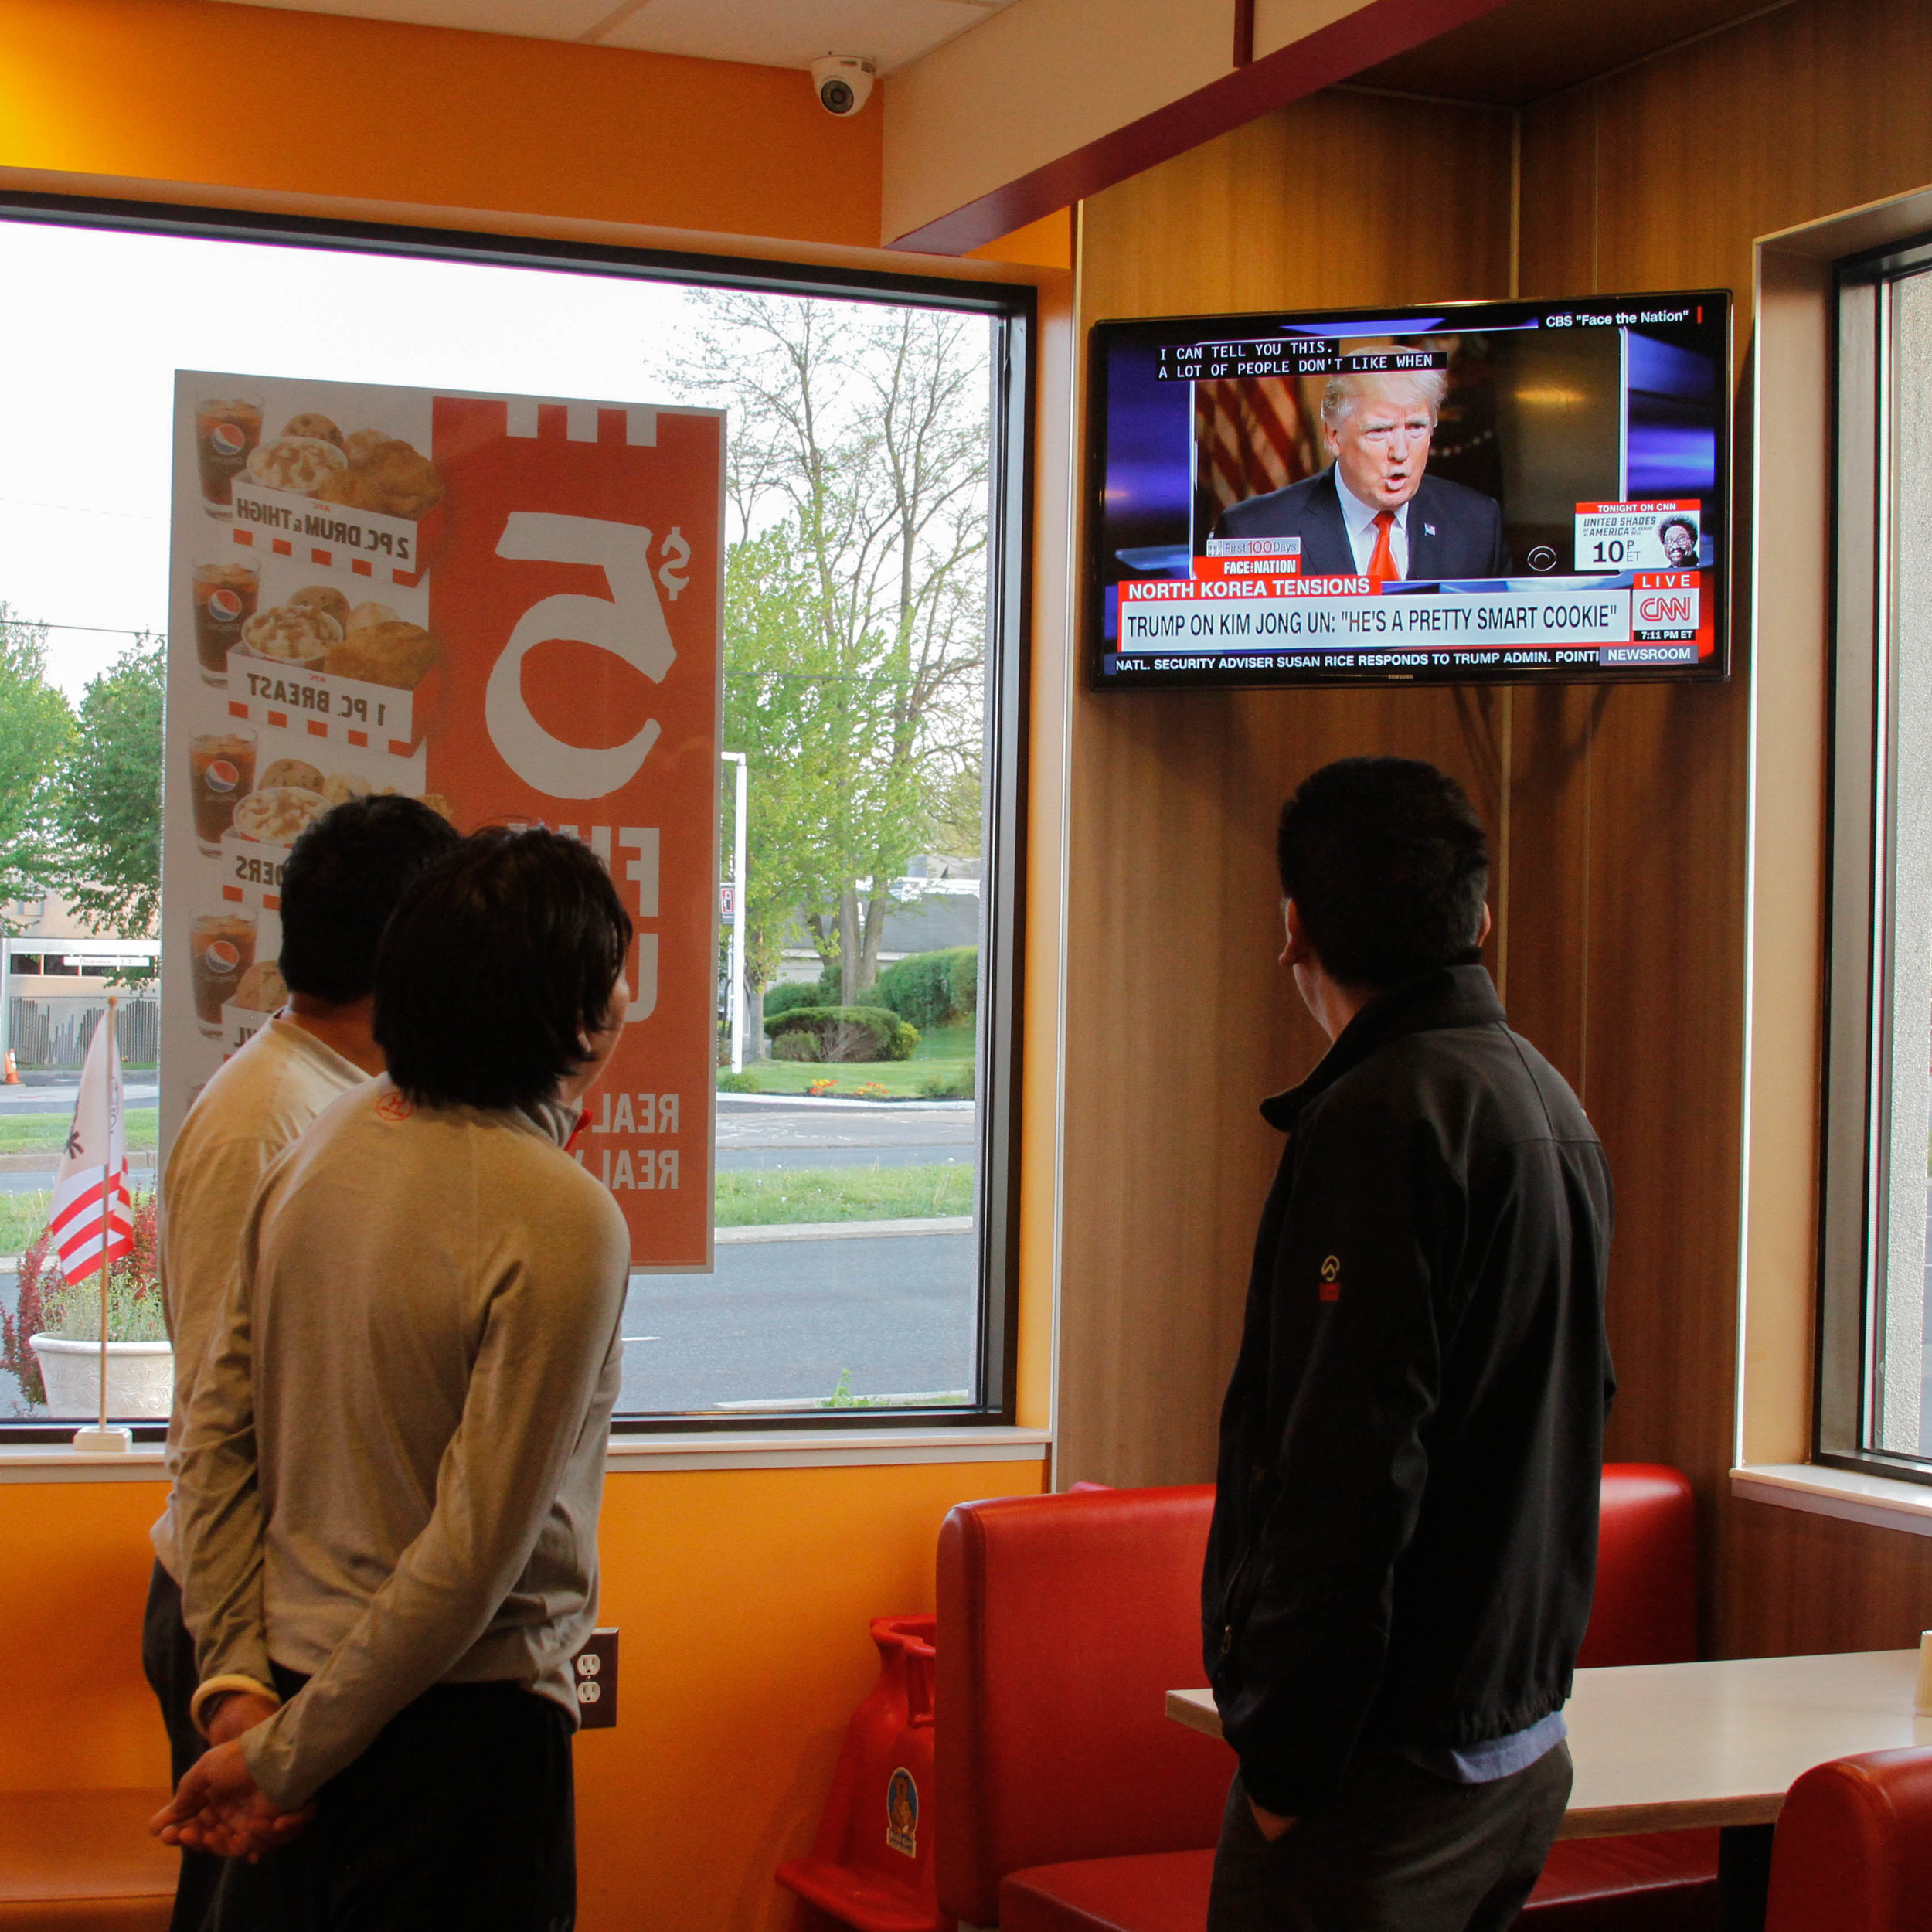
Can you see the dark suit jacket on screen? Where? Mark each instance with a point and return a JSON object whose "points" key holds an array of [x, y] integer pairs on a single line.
{"points": [[1453, 531]]}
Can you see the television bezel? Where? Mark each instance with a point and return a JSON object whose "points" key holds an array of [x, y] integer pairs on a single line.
{"points": [[1717, 670]]}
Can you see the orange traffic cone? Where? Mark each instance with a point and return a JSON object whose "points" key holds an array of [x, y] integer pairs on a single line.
{"points": [[13, 1071]]}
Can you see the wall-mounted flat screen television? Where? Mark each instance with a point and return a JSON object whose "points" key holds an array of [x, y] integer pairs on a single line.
{"points": [[1497, 492]]}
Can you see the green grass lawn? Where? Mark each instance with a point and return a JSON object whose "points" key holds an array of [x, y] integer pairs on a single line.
{"points": [[947, 1043], [746, 1197], [760, 1197], [44, 1133], [22, 1217], [943, 1060], [902, 1079]]}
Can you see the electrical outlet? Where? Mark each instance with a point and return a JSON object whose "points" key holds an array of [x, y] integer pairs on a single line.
{"points": [[596, 1668]]}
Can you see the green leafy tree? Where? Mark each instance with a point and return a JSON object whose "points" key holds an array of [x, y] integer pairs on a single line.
{"points": [[36, 728], [858, 473], [109, 807]]}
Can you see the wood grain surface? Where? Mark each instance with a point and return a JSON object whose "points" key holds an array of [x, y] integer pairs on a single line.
{"points": [[1179, 1019], [1621, 897]]}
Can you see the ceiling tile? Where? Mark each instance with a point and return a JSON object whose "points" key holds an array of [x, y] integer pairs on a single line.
{"points": [[538, 19], [792, 33], [769, 33]]}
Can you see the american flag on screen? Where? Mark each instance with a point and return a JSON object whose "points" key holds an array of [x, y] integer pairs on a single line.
{"points": [[96, 1155], [1251, 436]]}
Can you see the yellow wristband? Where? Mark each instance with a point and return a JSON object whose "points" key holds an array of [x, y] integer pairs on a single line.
{"points": [[219, 1687]]}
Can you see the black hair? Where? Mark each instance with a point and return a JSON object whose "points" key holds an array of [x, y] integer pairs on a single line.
{"points": [[1387, 865], [1681, 522], [344, 876], [498, 968]]}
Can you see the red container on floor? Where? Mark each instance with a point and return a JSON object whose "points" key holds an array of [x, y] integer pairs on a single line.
{"points": [[871, 1866]]}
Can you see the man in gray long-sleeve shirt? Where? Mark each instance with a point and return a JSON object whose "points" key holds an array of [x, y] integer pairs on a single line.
{"points": [[342, 881], [394, 1465]]}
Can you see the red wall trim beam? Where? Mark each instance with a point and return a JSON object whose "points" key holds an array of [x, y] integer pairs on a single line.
{"points": [[1372, 34]]}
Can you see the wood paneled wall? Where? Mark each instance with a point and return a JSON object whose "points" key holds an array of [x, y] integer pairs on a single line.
{"points": [[1179, 1019], [1662, 177], [1618, 814]]}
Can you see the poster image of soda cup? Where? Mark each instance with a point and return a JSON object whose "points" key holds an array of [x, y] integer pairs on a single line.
{"points": [[227, 591], [221, 773], [227, 429], [221, 947]]}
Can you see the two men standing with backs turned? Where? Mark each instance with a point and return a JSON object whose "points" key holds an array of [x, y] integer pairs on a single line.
{"points": [[393, 1462], [343, 879]]}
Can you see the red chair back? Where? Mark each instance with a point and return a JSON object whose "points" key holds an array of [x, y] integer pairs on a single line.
{"points": [[1645, 1611], [1853, 1851], [1063, 1621]]}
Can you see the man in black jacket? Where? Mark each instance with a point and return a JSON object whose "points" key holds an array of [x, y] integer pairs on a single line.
{"points": [[1405, 1532]]}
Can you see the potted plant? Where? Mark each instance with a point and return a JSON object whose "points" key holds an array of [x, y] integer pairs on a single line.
{"points": [[61, 1321]]}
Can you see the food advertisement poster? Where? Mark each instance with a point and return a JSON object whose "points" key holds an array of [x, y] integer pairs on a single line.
{"points": [[508, 606]]}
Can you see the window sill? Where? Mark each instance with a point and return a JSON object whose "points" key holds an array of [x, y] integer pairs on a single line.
{"points": [[628, 1455], [823, 1449], [1883, 1501]]}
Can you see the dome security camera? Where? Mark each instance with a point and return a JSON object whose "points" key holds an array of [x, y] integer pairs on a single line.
{"points": [[843, 82]]}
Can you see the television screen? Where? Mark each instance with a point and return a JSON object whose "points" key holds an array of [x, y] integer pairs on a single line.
{"points": [[1505, 492]]}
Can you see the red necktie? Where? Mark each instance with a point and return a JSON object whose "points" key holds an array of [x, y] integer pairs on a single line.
{"points": [[1382, 563]]}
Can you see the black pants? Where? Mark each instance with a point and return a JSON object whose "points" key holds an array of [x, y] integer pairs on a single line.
{"points": [[212, 1894], [168, 1656], [1395, 1850], [460, 1813]]}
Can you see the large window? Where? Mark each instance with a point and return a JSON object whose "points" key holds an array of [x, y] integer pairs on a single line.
{"points": [[1874, 1363], [869, 790]]}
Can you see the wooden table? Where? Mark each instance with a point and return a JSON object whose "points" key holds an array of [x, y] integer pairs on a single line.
{"points": [[1663, 1747]]}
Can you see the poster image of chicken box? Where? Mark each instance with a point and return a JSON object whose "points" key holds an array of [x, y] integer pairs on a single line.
{"points": [[508, 606], [348, 711], [385, 549]]}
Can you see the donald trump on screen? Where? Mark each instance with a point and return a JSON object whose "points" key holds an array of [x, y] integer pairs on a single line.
{"points": [[1375, 512]]}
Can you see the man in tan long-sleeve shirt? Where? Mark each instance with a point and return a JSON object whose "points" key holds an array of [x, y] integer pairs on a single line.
{"points": [[342, 881], [394, 1462]]}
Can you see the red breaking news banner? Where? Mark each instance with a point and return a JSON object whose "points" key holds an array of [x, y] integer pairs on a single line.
{"points": [[507, 606]]}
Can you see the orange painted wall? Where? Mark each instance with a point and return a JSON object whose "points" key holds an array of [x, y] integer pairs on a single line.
{"points": [[265, 100], [743, 1596]]}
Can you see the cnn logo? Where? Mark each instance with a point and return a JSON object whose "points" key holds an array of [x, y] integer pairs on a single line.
{"points": [[1679, 609]]}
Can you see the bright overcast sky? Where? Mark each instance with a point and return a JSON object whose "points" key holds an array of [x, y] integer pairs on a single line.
{"points": [[94, 324]]}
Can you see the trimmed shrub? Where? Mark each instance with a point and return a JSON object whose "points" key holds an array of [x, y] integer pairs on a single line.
{"points": [[785, 999], [842, 1033], [932, 989], [797, 1045]]}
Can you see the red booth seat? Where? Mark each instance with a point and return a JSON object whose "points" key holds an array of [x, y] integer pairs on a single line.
{"points": [[1853, 1851], [1067, 1801]]}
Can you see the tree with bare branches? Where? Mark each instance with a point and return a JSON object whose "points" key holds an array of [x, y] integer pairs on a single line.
{"points": [[855, 646]]}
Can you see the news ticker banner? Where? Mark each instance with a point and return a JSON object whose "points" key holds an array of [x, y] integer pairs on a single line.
{"points": [[506, 606], [1248, 606]]}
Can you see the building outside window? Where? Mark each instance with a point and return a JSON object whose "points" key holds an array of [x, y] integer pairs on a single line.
{"points": [[871, 697]]}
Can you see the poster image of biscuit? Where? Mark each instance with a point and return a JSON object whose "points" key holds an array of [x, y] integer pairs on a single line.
{"points": [[508, 606]]}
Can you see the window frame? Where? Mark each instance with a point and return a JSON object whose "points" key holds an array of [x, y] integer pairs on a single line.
{"points": [[1854, 1179], [1013, 307]]}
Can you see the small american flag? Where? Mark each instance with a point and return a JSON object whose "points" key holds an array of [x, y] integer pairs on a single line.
{"points": [[96, 1154], [1251, 437]]}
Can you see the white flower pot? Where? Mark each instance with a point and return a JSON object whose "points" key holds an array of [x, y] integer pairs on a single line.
{"points": [[140, 1376]]}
